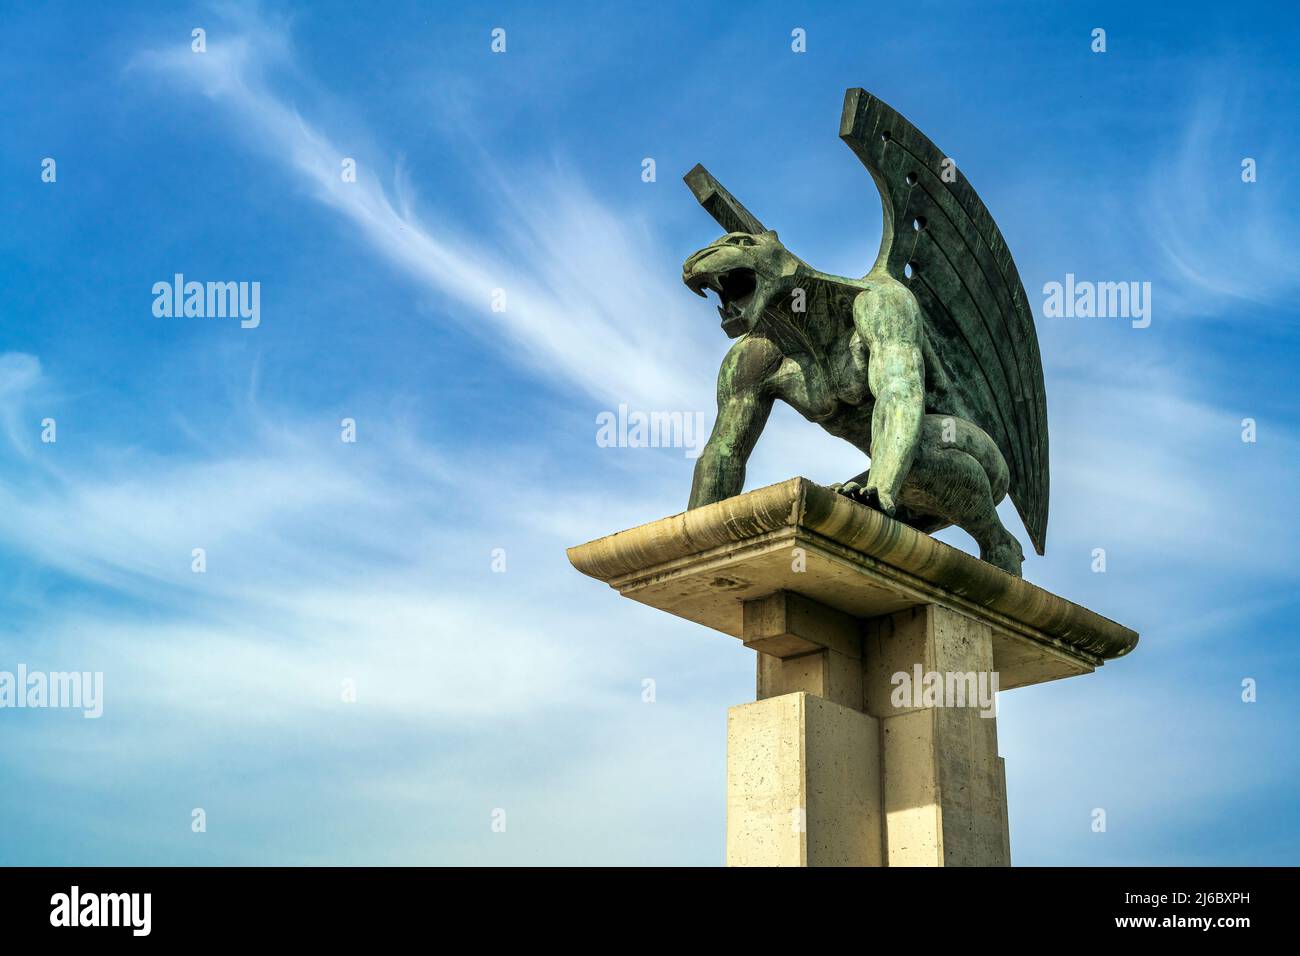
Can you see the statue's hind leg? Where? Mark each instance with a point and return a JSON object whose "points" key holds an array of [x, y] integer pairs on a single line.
{"points": [[959, 475]]}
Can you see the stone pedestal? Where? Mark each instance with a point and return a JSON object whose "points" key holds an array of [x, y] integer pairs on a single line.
{"points": [[873, 739], [803, 784]]}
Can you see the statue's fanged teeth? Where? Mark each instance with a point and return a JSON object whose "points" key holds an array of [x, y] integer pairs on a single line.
{"points": [[735, 288]]}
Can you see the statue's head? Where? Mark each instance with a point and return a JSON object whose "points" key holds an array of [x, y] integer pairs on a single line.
{"points": [[748, 272]]}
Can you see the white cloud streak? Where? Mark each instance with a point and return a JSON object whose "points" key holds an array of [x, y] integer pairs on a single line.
{"points": [[1226, 242], [589, 300]]}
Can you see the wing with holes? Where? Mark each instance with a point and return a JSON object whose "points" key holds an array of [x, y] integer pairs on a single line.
{"points": [[940, 241]]}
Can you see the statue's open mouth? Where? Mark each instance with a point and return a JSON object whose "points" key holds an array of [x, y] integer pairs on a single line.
{"points": [[735, 289]]}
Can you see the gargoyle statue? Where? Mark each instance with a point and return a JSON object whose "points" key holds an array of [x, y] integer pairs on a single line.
{"points": [[929, 364]]}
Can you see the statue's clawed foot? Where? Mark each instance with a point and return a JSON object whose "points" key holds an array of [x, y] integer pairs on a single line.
{"points": [[861, 489]]}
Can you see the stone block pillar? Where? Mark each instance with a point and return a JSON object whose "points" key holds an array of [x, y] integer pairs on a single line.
{"points": [[873, 740]]}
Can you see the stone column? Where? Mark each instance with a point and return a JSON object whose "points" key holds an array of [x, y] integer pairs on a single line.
{"points": [[803, 784], [803, 761], [945, 796], [863, 747]]}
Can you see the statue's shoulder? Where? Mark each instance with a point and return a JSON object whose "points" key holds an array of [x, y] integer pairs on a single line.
{"points": [[750, 362], [885, 298]]}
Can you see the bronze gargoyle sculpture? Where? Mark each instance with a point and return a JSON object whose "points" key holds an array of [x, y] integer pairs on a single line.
{"points": [[929, 363]]}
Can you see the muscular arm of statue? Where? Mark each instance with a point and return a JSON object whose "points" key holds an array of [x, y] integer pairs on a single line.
{"points": [[743, 406], [887, 324]]}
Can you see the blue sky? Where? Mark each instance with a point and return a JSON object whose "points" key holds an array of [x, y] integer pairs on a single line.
{"points": [[372, 562]]}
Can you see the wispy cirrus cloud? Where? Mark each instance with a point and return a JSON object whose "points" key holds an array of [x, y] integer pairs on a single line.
{"points": [[1223, 239], [366, 563], [590, 301], [326, 563]]}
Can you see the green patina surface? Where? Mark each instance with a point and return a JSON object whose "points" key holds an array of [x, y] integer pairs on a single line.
{"points": [[929, 363]]}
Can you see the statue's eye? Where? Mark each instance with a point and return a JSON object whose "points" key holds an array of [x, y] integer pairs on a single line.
{"points": [[742, 241]]}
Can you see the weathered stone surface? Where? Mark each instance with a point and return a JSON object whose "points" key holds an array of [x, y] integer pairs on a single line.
{"points": [[804, 646], [803, 786], [944, 791], [704, 564]]}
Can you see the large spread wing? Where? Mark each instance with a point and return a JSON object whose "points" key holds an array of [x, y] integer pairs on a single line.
{"points": [[940, 240]]}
